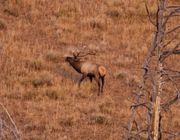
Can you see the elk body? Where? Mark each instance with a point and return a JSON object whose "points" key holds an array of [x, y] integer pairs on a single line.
{"points": [[88, 69]]}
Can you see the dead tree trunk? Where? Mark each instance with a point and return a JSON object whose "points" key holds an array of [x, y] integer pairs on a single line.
{"points": [[156, 97], [155, 71], [156, 119]]}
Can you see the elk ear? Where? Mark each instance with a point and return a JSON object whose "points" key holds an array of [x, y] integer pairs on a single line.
{"points": [[75, 55]]}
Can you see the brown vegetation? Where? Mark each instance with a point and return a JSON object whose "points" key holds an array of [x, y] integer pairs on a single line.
{"points": [[40, 90]]}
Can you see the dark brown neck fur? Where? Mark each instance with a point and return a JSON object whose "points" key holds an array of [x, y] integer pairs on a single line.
{"points": [[76, 64]]}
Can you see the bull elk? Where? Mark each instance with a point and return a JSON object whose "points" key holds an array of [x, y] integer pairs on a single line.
{"points": [[88, 69]]}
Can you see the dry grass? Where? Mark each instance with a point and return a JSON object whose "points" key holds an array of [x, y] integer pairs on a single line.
{"points": [[40, 89]]}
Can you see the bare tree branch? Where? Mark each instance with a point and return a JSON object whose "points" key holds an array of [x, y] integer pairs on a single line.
{"points": [[172, 101], [167, 43], [153, 76], [173, 6], [167, 53], [149, 16], [176, 98], [167, 69], [172, 134], [136, 135], [140, 105], [171, 14], [149, 56], [174, 29], [132, 117]]}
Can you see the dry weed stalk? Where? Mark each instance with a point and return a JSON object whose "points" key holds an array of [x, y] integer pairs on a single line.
{"points": [[155, 71], [3, 124]]}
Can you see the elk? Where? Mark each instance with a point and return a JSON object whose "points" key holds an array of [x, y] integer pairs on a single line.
{"points": [[88, 69]]}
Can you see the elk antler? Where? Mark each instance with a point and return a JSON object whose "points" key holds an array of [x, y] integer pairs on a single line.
{"points": [[79, 54], [76, 54]]}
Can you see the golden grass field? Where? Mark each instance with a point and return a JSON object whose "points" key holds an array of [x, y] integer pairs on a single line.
{"points": [[39, 89]]}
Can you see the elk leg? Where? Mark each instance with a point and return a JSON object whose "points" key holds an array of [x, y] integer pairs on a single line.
{"points": [[99, 84], [102, 79], [82, 78], [90, 78]]}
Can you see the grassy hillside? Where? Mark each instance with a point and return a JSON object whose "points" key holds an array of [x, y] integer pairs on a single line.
{"points": [[40, 90]]}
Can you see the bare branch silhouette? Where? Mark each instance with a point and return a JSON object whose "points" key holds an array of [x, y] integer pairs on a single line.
{"points": [[149, 16], [156, 73]]}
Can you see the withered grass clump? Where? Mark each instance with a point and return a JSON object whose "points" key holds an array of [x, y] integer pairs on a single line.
{"points": [[38, 79], [67, 121], [54, 57], [12, 12], [56, 93], [99, 118], [42, 79], [107, 106], [31, 95], [113, 13], [2, 25], [35, 64], [52, 94]]}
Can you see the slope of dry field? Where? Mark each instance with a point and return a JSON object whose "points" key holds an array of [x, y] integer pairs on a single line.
{"points": [[40, 90]]}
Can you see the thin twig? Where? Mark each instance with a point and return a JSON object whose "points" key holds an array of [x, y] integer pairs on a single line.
{"points": [[140, 105], [132, 117], [173, 6], [171, 14], [172, 134], [167, 43], [167, 53], [174, 29], [11, 120], [149, 16], [174, 99]]}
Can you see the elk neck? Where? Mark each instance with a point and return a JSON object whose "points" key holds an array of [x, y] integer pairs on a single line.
{"points": [[76, 64]]}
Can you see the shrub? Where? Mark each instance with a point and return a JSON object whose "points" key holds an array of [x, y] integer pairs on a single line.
{"points": [[99, 118], [53, 57], [107, 107], [120, 75], [113, 13], [31, 95], [67, 121], [35, 64], [2, 25], [42, 79], [52, 94], [12, 12]]}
